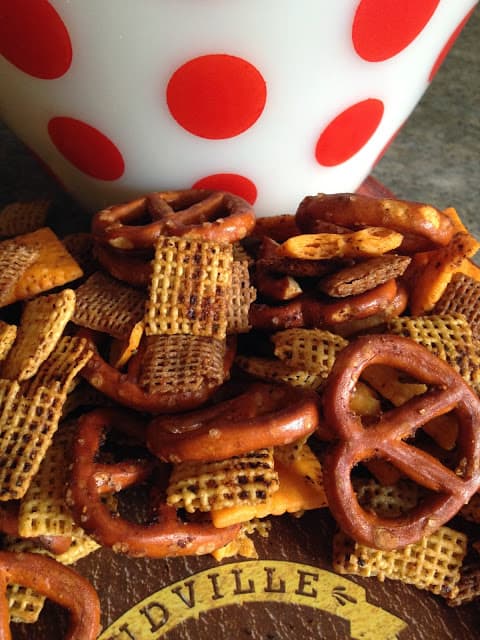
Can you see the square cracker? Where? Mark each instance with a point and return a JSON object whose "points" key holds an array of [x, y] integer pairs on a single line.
{"points": [[42, 323], [190, 288], [52, 267], [14, 261]]}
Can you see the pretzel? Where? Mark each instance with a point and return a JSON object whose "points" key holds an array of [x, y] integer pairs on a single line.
{"points": [[125, 389], [385, 440], [309, 311], [168, 536], [127, 266], [424, 222], [198, 213], [57, 582], [264, 415]]}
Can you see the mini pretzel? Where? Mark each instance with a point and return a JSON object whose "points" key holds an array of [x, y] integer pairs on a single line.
{"points": [[309, 311], [386, 440], [265, 415], [167, 536], [124, 388], [354, 210], [126, 266], [55, 581], [205, 215]]}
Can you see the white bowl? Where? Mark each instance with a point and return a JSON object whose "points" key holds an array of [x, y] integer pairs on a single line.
{"points": [[269, 99]]}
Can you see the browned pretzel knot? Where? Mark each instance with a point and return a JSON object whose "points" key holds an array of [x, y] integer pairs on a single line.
{"points": [[124, 388], [207, 215], [167, 536], [428, 226], [265, 415], [309, 311], [451, 488], [58, 583]]}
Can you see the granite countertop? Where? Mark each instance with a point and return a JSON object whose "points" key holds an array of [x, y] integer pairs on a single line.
{"points": [[434, 158]]}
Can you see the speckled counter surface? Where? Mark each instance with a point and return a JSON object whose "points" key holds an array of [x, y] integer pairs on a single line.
{"points": [[435, 158]]}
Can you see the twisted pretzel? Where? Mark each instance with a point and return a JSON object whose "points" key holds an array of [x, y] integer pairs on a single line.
{"points": [[265, 415], [207, 215], [427, 224], [309, 311], [167, 536], [58, 583], [124, 389], [387, 440]]}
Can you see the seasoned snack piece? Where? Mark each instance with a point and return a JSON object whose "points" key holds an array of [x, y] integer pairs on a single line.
{"points": [[241, 297], [24, 604], [27, 425], [246, 480], [18, 218], [371, 241], [14, 261], [243, 545], [309, 311], [364, 275], [471, 511], [43, 510], [197, 213], [279, 227], [8, 333], [80, 246], [431, 272], [386, 439], [433, 563], [355, 210], [462, 295], [167, 536], [190, 288], [121, 350], [271, 260], [126, 266], [42, 323], [448, 336], [389, 501], [264, 415], [58, 583], [180, 364], [313, 350], [300, 489], [106, 305], [60, 369], [273, 370], [52, 267], [125, 389], [468, 586]]}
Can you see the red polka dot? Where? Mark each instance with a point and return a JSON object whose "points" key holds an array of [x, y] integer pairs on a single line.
{"points": [[383, 28], [231, 182], [448, 46], [348, 132], [86, 148], [34, 38], [216, 96]]}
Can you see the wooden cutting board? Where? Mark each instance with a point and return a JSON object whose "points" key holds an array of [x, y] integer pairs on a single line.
{"points": [[290, 591]]}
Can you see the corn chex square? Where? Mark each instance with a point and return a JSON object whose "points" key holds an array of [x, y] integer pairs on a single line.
{"points": [[449, 337], [241, 297], [27, 425], [433, 563], [8, 333], [43, 510], [107, 305], [190, 288], [313, 350], [274, 370], [203, 486], [42, 323]]}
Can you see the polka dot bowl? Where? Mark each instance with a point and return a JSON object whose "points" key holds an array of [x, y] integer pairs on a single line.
{"points": [[269, 99]]}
